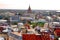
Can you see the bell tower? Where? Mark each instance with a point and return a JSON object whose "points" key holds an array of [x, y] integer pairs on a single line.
{"points": [[29, 10]]}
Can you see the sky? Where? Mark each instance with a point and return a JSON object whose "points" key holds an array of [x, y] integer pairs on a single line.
{"points": [[34, 4]]}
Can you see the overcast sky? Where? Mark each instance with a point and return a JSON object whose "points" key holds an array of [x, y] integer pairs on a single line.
{"points": [[35, 4]]}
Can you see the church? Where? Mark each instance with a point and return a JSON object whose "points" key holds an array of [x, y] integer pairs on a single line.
{"points": [[29, 14]]}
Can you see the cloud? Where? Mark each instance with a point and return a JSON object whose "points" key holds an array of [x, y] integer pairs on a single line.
{"points": [[2, 5], [35, 4]]}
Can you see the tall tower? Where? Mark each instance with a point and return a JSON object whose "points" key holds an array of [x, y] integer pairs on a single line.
{"points": [[29, 10]]}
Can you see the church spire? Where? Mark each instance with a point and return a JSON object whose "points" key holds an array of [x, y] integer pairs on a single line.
{"points": [[29, 9]]}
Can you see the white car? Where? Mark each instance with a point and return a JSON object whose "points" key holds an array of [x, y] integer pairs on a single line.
{"points": [[2, 38]]}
